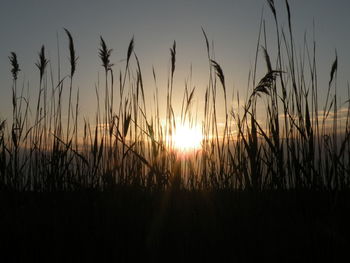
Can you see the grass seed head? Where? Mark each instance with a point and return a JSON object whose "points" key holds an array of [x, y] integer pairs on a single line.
{"points": [[14, 63]]}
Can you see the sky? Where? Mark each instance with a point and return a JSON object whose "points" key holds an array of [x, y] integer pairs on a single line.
{"points": [[232, 25]]}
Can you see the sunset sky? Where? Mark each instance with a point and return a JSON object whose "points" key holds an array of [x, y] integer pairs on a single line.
{"points": [[231, 25]]}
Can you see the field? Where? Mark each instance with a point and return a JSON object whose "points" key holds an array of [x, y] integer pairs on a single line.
{"points": [[130, 224], [128, 186]]}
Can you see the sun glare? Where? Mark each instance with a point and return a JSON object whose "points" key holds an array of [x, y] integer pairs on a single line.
{"points": [[187, 138]]}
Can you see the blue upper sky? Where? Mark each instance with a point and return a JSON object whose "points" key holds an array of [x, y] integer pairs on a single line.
{"points": [[231, 25]]}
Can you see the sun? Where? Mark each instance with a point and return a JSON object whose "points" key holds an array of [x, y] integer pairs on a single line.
{"points": [[187, 138]]}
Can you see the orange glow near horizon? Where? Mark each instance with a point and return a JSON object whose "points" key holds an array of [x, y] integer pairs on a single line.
{"points": [[187, 138]]}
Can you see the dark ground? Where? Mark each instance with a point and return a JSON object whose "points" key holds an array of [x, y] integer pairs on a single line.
{"points": [[131, 224]]}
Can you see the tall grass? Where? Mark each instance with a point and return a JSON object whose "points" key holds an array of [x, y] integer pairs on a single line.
{"points": [[299, 145]]}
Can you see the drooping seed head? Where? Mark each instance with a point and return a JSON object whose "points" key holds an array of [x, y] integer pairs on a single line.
{"points": [[72, 58], [14, 63], [130, 50], [173, 58], [334, 68], [42, 62], [219, 73], [104, 53]]}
